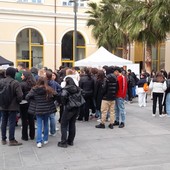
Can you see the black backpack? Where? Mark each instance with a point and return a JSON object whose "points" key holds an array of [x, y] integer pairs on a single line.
{"points": [[6, 93]]}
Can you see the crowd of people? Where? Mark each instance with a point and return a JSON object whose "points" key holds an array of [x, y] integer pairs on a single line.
{"points": [[36, 96]]}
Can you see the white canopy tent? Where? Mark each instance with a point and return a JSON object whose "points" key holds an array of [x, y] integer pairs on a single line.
{"points": [[102, 57]]}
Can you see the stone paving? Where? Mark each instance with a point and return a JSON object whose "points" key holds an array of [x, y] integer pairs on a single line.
{"points": [[144, 144]]}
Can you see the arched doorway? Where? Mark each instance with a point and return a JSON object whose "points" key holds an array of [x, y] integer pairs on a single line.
{"points": [[29, 48], [68, 58]]}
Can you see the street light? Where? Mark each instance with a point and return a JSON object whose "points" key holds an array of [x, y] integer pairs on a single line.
{"points": [[75, 27]]}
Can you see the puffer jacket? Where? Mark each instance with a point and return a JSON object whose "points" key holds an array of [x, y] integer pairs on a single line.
{"points": [[87, 85], [39, 104], [110, 87], [16, 96]]}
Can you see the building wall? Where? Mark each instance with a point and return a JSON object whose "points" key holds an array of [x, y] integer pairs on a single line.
{"points": [[15, 17]]}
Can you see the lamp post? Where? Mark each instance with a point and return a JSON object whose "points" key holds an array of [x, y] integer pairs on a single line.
{"points": [[75, 30]]}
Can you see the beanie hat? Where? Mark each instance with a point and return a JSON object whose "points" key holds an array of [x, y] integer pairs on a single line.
{"points": [[117, 69], [11, 72], [109, 70]]}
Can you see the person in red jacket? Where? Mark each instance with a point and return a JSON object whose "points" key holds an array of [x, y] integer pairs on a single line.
{"points": [[120, 96]]}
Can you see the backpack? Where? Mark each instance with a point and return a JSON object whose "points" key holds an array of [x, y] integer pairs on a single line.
{"points": [[5, 93], [145, 87]]}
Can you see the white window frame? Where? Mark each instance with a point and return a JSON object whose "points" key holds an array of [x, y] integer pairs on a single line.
{"points": [[31, 1]]}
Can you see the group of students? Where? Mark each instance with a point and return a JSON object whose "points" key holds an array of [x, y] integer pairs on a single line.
{"points": [[159, 87], [38, 93]]}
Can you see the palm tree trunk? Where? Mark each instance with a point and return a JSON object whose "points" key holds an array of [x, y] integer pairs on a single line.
{"points": [[148, 57]]}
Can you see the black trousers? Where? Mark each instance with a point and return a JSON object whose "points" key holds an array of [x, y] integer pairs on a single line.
{"points": [[27, 120], [68, 123], [158, 96], [84, 111]]}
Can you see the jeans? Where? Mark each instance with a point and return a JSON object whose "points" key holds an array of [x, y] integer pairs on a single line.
{"points": [[52, 119], [168, 104], [120, 109], [0, 117], [68, 123], [42, 121], [8, 117]]}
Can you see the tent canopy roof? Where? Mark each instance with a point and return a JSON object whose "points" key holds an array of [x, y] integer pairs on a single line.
{"points": [[4, 61], [102, 57]]}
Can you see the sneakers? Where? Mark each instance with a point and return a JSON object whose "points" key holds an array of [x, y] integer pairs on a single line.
{"points": [[160, 115], [101, 126], [4, 142], [39, 145], [62, 144], [52, 134], [122, 125], [70, 143], [153, 115], [116, 123], [14, 143], [45, 142], [110, 126]]}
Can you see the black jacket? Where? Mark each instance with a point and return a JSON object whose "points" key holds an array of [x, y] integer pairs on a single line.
{"points": [[16, 96], [110, 87], [141, 82], [87, 85], [39, 104], [98, 93]]}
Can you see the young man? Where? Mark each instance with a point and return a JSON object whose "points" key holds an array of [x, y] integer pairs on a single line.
{"points": [[9, 112], [109, 96], [120, 96]]}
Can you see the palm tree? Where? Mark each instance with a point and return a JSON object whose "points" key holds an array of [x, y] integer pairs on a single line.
{"points": [[103, 19], [148, 23]]}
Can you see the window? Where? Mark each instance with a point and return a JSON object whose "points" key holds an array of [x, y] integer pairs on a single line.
{"points": [[32, 1], [71, 3]]}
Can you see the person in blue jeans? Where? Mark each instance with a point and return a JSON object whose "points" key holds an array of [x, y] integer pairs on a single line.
{"points": [[42, 99], [120, 96], [52, 117]]}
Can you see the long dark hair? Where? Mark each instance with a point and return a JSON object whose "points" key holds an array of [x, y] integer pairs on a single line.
{"points": [[42, 82], [100, 75], [29, 79]]}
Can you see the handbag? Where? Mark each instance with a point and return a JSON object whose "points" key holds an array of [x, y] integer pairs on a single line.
{"points": [[75, 100], [145, 87]]}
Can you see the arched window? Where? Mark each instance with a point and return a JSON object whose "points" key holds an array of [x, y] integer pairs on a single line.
{"points": [[29, 48], [68, 50]]}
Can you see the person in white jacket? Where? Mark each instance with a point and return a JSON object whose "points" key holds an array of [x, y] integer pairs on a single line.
{"points": [[158, 87]]}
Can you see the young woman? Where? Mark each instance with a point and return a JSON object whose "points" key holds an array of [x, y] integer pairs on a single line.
{"points": [[141, 92], [158, 87], [27, 83], [42, 104], [69, 116]]}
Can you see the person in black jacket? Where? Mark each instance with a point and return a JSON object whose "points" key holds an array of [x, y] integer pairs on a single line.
{"points": [[27, 119], [69, 116], [43, 97], [98, 92], [86, 83], [9, 113], [109, 95]]}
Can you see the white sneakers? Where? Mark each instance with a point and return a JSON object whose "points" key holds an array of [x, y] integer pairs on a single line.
{"points": [[153, 115], [39, 145], [45, 142]]}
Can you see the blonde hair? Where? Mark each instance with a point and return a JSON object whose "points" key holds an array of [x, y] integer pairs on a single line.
{"points": [[41, 73], [69, 72]]}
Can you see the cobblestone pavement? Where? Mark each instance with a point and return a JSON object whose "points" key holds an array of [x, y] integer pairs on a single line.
{"points": [[144, 144]]}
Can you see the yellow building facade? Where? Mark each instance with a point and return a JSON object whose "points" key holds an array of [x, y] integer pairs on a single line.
{"points": [[40, 33]]}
